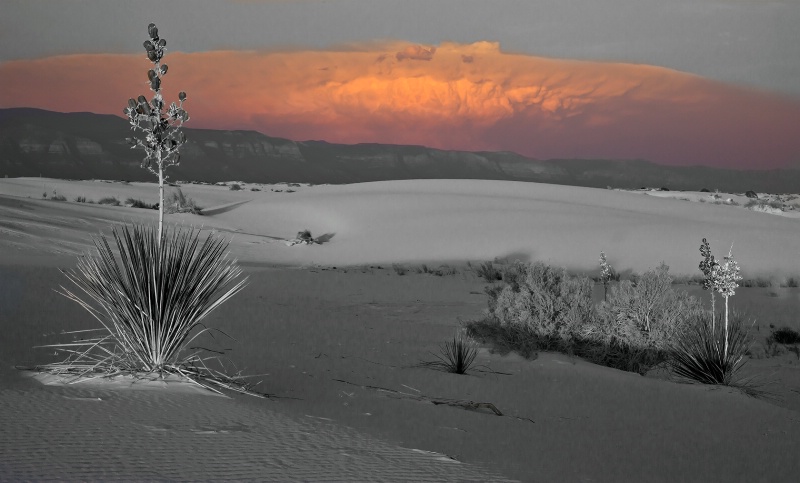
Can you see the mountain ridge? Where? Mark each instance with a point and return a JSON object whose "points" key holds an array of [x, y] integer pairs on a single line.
{"points": [[84, 145]]}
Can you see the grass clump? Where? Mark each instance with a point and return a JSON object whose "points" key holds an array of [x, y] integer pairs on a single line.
{"points": [[177, 202], [135, 203], [151, 300], [80, 199], [109, 200], [457, 356]]}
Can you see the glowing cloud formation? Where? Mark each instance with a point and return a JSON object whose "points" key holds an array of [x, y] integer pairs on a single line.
{"points": [[451, 96]]}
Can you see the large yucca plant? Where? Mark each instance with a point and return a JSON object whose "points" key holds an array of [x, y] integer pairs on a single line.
{"points": [[151, 299]]}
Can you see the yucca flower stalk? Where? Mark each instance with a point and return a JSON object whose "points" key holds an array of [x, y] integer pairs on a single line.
{"points": [[151, 300], [606, 274], [725, 279], [708, 266], [163, 135]]}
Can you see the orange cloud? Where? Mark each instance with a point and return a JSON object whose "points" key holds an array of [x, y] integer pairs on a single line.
{"points": [[473, 97], [416, 52]]}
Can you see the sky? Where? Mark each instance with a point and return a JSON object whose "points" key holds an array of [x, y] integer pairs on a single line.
{"points": [[679, 82]]}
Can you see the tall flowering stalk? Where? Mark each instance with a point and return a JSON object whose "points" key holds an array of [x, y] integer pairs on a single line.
{"points": [[162, 129], [606, 274], [725, 279], [709, 266]]}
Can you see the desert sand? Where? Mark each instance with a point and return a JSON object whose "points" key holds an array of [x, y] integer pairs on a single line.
{"points": [[334, 333]]}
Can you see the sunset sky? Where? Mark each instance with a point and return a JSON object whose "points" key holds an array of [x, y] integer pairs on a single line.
{"points": [[679, 82]]}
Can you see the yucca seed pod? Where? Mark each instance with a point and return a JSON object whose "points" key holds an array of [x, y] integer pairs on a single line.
{"points": [[131, 103], [152, 30], [164, 69], [142, 100], [151, 54], [151, 74], [162, 43], [182, 96], [148, 46], [155, 84]]}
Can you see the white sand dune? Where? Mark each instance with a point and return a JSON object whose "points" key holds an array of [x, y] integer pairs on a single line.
{"points": [[337, 349], [435, 220]]}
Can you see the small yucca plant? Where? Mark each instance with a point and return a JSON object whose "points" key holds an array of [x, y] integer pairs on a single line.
{"points": [[457, 356], [150, 300], [705, 354]]}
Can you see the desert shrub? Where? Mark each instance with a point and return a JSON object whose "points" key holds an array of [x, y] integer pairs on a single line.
{"points": [[445, 270], [544, 300], [109, 200], [457, 356], [644, 313], [399, 269], [58, 198], [792, 282], [177, 202], [760, 282], [235, 187], [134, 203], [254, 189], [488, 272], [538, 307], [760, 203], [698, 353], [785, 335], [150, 321], [80, 199]]}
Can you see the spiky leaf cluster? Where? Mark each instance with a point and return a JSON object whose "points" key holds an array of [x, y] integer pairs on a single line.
{"points": [[161, 126]]}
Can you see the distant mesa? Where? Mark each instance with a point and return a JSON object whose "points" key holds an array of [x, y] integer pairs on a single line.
{"points": [[36, 142]]}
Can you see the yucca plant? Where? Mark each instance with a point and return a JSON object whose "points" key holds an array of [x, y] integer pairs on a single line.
{"points": [[151, 300], [457, 356]]}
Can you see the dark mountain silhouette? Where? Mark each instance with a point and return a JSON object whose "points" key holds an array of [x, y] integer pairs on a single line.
{"points": [[35, 142]]}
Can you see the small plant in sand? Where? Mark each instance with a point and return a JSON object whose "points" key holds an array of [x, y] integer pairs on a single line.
{"points": [[177, 202], [305, 237], [109, 200], [151, 300], [457, 356], [162, 129]]}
